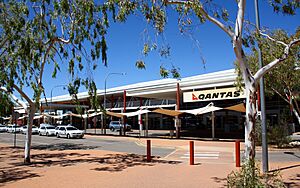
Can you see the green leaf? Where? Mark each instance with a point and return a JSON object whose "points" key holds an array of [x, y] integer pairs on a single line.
{"points": [[164, 72], [140, 64]]}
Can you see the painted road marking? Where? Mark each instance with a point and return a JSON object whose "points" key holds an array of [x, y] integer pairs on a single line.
{"points": [[202, 155]]}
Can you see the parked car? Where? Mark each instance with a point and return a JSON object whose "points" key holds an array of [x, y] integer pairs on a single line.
{"points": [[69, 132], [58, 127], [7, 127], [46, 129], [2, 128], [116, 125], [13, 129], [35, 130], [295, 136]]}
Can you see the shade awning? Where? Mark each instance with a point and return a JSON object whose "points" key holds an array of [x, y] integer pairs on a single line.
{"points": [[119, 115], [210, 109], [239, 107], [23, 117], [131, 114], [168, 112], [93, 114], [20, 111], [206, 109], [38, 117]]}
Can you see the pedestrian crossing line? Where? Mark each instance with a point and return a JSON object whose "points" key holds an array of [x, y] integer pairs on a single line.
{"points": [[183, 157], [202, 155]]}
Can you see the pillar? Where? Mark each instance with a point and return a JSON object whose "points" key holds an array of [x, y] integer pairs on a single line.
{"points": [[177, 125], [124, 111]]}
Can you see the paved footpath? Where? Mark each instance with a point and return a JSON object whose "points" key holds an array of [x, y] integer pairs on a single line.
{"points": [[98, 168]]}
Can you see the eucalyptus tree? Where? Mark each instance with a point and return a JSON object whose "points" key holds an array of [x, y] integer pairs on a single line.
{"points": [[284, 79], [34, 34]]}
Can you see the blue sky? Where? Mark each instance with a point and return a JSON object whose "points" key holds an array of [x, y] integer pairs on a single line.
{"points": [[125, 44]]}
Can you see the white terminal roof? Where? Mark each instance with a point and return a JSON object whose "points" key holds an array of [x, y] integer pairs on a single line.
{"points": [[164, 88]]}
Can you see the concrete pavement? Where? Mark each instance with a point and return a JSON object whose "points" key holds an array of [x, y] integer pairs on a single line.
{"points": [[98, 168]]}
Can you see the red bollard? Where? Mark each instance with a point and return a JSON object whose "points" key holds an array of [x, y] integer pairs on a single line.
{"points": [[148, 150], [237, 154], [192, 153]]}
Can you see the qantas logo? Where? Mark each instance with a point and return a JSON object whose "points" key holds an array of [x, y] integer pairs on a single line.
{"points": [[194, 97], [216, 95]]}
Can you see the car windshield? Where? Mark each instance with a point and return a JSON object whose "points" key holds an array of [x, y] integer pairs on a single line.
{"points": [[50, 127], [34, 127], [114, 122], [71, 128]]}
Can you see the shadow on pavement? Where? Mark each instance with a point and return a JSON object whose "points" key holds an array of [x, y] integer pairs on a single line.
{"points": [[63, 146], [119, 162], [285, 168], [291, 153], [15, 174], [293, 181], [13, 169], [220, 180]]}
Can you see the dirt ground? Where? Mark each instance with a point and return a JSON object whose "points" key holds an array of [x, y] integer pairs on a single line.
{"points": [[94, 168]]}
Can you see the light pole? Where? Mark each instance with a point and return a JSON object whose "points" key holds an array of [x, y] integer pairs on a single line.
{"points": [[265, 161], [52, 91], [54, 88], [111, 73]]}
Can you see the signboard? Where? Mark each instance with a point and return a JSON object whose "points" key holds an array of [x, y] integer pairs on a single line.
{"points": [[214, 94]]}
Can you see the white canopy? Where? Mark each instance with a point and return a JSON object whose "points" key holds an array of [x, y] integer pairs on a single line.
{"points": [[23, 117], [209, 108], [92, 114], [131, 114], [38, 117], [20, 111]]}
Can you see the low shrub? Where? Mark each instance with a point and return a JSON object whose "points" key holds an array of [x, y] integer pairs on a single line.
{"points": [[249, 176]]}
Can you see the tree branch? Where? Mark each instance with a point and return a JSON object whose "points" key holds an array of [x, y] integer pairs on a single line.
{"points": [[280, 95], [240, 20], [204, 13], [272, 39], [53, 40], [3, 42], [269, 66], [13, 97], [23, 94]]}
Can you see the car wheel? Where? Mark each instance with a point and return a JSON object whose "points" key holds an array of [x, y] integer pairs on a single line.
{"points": [[68, 136], [47, 134], [40, 134], [57, 135], [112, 129]]}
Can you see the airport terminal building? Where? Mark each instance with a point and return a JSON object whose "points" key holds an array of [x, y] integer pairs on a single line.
{"points": [[190, 94]]}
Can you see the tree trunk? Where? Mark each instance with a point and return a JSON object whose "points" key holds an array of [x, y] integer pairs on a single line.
{"points": [[250, 122], [250, 89], [297, 115], [28, 134]]}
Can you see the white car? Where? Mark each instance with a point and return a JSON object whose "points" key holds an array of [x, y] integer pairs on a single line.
{"points": [[69, 132], [46, 129], [57, 128], [13, 129], [35, 130], [2, 128], [295, 136]]}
